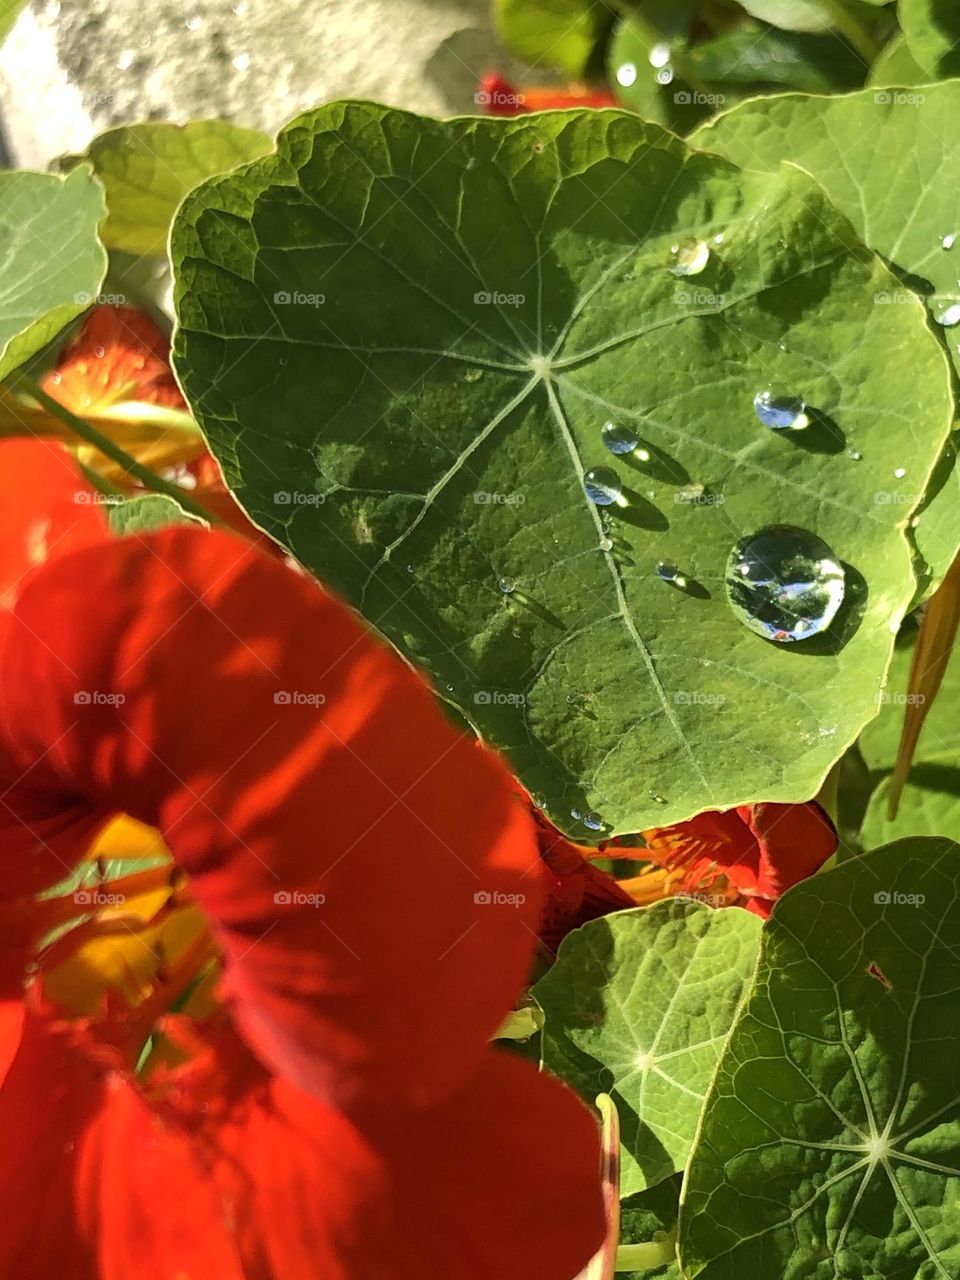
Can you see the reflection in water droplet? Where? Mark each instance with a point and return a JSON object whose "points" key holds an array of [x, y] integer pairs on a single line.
{"points": [[409, 568], [719, 239], [855, 454], [784, 583], [665, 75], [659, 55], [627, 74], [667, 570], [781, 412], [690, 257], [619, 439], [507, 586], [900, 472], [947, 313], [656, 798], [947, 242], [602, 486], [592, 821], [575, 814]]}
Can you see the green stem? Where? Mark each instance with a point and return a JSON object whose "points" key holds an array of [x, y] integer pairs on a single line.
{"points": [[854, 31], [642, 1257], [149, 479]]}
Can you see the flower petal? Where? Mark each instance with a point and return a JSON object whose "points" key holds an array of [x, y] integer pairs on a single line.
{"points": [[302, 775]]}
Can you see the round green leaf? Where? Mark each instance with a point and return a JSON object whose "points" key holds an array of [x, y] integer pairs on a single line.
{"points": [[53, 261], [903, 208], [637, 1006], [402, 339], [830, 1140], [147, 169], [554, 33]]}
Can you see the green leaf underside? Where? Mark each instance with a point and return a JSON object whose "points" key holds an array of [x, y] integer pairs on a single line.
{"points": [[930, 804], [830, 1141], [902, 208], [53, 262], [932, 32], [638, 1005], [412, 446], [146, 170], [147, 514]]}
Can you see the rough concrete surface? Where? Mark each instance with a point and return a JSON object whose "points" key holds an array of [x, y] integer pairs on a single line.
{"points": [[68, 70]]}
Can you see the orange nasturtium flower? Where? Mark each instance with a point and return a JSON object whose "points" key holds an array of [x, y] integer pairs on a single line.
{"points": [[338, 1110], [499, 97]]}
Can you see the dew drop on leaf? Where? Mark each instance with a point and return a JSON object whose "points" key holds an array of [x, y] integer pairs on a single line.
{"points": [[659, 55], [627, 74], [507, 586], [602, 486], [855, 454], [947, 242], [619, 439], [592, 821], [657, 799], [690, 257], [606, 544], [784, 583], [667, 570], [781, 412], [947, 313]]}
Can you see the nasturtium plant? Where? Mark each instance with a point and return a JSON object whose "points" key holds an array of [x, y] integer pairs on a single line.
{"points": [[52, 260], [908, 210], [147, 514], [828, 1142], [638, 1006], [403, 339], [932, 31], [562, 33], [147, 169]]}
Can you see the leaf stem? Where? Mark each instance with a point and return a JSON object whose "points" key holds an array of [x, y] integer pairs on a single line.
{"points": [[642, 1257], [149, 479], [854, 31]]}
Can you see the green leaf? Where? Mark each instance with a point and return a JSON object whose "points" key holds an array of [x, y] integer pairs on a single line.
{"points": [[808, 15], [9, 12], [637, 1006], [932, 32], [557, 33], [830, 1139], [53, 261], [676, 104], [752, 54], [414, 442], [897, 65], [147, 169], [648, 1217], [903, 209], [147, 514]]}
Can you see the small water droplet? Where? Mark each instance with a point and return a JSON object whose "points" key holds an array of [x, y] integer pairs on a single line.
{"points": [[657, 799], [606, 544], [602, 486], [784, 583], [572, 698], [507, 586], [947, 242], [627, 74], [592, 821], [665, 75], [781, 412], [619, 439], [659, 55], [855, 454], [690, 257], [667, 570], [409, 568], [947, 313], [473, 375], [900, 472], [719, 239], [575, 814]]}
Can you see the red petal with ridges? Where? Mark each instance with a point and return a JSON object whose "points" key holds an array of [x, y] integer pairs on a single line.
{"points": [[370, 799]]}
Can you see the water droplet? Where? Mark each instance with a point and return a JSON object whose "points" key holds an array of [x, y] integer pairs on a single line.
{"points": [[126, 59], [242, 61], [900, 472], [409, 568], [784, 583], [592, 821], [575, 814], [656, 798], [690, 257], [572, 699], [538, 801], [507, 586], [473, 375], [947, 313], [627, 74], [665, 75], [719, 239], [606, 544], [99, 352], [667, 571], [602, 486], [619, 439], [659, 55], [947, 242], [855, 454], [194, 23], [781, 413]]}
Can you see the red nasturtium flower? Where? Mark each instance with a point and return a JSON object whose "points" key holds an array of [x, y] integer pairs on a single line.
{"points": [[499, 97], [341, 1114], [749, 855]]}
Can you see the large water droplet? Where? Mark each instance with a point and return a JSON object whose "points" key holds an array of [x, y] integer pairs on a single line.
{"points": [[781, 412], [667, 570], [947, 313], [690, 257], [659, 55], [507, 586], [947, 242], [619, 439], [592, 821], [602, 486], [627, 74], [784, 583]]}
